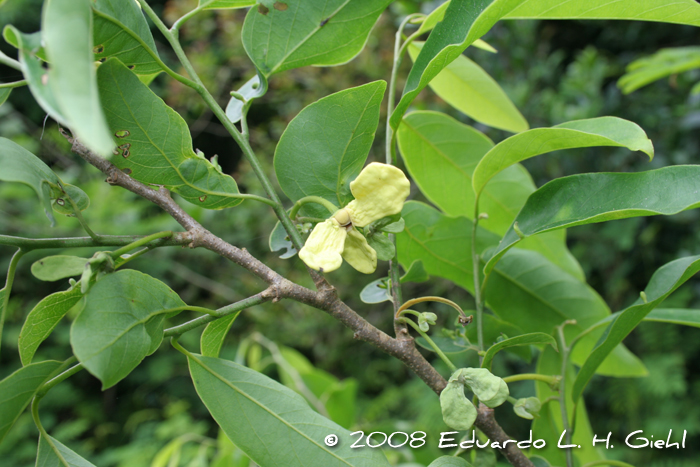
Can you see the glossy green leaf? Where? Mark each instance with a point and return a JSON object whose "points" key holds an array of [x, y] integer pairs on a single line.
{"points": [[42, 320], [280, 35], [535, 338], [121, 30], [214, 334], [599, 197], [664, 281], [4, 94], [449, 461], [524, 289], [602, 131], [376, 292], [154, 142], [52, 453], [18, 389], [223, 4], [19, 165], [665, 62], [66, 32], [675, 316], [325, 147], [465, 21], [468, 88], [53, 268], [135, 306], [271, 423], [441, 154]]}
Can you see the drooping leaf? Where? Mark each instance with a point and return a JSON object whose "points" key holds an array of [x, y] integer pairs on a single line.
{"points": [[53, 268], [18, 389], [52, 453], [271, 423], [223, 4], [42, 320], [121, 30], [468, 88], [535, 338], [280, 35], [154, 142], [602, 131], [664, 281], [214, 334], [376, 292], [465, 21], [449, 461], [441, 154], [599, 197], [524, 289], [66, 32], [19, 165], [665, 62], [324, 147], [135, 305]]}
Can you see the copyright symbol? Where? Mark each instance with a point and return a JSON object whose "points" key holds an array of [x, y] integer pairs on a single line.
{"points": [[331, 440]]}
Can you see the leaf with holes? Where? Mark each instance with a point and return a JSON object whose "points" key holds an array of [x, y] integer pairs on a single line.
{"points": [[280, 35], [154, 142], [121, 323], [324, 148]]}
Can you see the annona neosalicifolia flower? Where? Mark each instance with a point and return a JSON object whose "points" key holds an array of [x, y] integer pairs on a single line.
{"points": [[380, 191]]}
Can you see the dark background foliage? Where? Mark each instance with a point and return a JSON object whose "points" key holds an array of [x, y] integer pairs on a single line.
{"points": [[553, 70]]}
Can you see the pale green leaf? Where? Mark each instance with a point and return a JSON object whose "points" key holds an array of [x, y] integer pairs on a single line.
{"points": [[441, 153], [53, 268], [4, 94], [250, 90], [602, 131], [52, 453], [135, 306], [121, 31], [66, 32], [223, 4], [535, 338], [271, 423], [664, 281], [325, 147], [42, 320], [19, 165], [468, 88], [665, 62], [280, 35], [280, 242], [599, 197], [214, 334], [154, 142], [465, 21], [376, 292], [18, 389], [449, 461]]}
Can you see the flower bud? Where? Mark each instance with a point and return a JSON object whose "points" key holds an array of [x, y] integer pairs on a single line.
{"points": [[457, 411], [490, 389], [528, 407]]}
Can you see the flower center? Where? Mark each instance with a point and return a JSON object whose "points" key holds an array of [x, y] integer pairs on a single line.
{"points": [[342, 216]]}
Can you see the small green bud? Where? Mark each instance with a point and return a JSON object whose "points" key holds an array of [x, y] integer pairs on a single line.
{"points": [[528, 407]]}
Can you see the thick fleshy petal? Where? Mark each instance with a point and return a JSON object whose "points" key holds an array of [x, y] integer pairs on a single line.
{"points": [[359, 254], [324, 246], [380, 190]]}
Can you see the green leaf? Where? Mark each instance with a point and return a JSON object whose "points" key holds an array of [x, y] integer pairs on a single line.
{"points": [[441, 154], [135, 306], [247, 404], [250, 90], [121, 31], [53, 268], [19, 165], [675, 316], [4, 94], [495, 329], [448, 345], [382, 245], [155, 145], [677, 11], [376, 291], [665, 62], [324, 147], [538, 461], [468, 88], [602, 131], [42, 320], [465, 21], [214, 334], [535, 338], [223, 4], [19, 388], [52, 453], [664, 281], [599, 197], [449, 461], [280, 35], [415, 273], [66, 31], [279, 240]]}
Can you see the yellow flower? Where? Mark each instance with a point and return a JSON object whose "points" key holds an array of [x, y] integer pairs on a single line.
{"points": [[380, 191]]}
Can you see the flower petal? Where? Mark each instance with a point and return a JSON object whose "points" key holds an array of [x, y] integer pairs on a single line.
{"points": [[324, 246], [359, 254], [380, 190]]}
